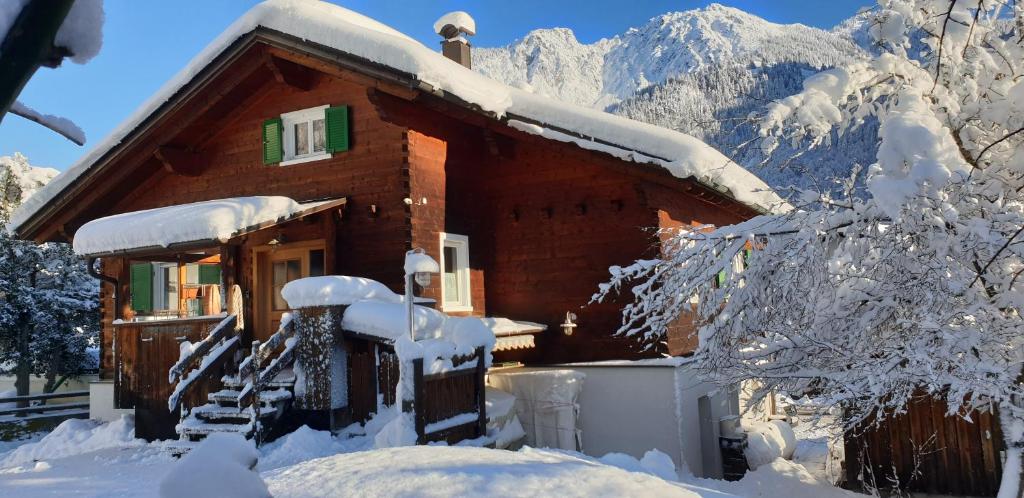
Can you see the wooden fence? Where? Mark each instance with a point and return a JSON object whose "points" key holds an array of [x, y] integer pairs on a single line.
{"points": [[923, 450], [38, 407], [143, 354], [445, 400]]}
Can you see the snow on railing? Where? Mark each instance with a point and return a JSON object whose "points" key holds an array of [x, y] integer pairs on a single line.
{"points": [[201, 348], [284, 331], [179, 390], [262, 377]]}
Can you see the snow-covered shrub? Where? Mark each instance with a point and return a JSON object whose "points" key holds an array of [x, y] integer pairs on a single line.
{"points": [[74, 437], [223, 465], [910, 287]]}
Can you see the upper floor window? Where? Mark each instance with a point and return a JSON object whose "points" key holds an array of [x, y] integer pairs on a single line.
{"points": [[455, 291], [306, 135]]}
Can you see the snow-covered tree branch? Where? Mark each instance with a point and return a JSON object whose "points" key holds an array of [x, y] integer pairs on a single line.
{"points": [[912, 289]]}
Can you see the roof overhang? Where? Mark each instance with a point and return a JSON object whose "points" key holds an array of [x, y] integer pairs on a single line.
{"points": [[174, 214]]}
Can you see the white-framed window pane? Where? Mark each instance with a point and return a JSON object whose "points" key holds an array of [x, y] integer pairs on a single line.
{"points": [[319, 139], [451, 276], [301, 139]]}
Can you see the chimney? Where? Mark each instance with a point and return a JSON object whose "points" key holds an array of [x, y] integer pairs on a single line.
{"points": [[452, 26]]}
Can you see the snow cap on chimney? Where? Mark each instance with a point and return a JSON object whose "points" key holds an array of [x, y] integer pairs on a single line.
{"points": [[452, 26]]}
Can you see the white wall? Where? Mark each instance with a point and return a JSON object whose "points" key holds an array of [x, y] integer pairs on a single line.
{"points": [[632, 407], [101, 402]]}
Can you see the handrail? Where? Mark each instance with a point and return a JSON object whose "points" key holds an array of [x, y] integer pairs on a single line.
{"points": [[214, 359], [284, 331], [221, 331], [44, 408], [285, 359]]}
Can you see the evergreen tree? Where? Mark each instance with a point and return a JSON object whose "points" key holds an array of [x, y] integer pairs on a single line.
{"points": [[48, 307]]}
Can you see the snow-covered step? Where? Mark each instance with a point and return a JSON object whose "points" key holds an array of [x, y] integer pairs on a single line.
{"points": [[284, 379], [216, 413], [229, 397], [196, 429]]}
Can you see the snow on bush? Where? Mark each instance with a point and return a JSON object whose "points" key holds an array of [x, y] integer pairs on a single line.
{"points": [[768, 441], [222, 465], [74, 437]]}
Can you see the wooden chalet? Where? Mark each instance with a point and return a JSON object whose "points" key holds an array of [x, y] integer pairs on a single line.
{"points": [[381, 145]]}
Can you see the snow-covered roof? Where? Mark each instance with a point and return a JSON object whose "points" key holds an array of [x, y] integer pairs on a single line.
{"points": [[218, 220], [357, 35]]}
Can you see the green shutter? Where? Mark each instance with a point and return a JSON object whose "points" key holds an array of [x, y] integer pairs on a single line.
{"points": [[209, 274], [336, 119], [720, 279], [142, 287], [746, 258], [273, 148]]}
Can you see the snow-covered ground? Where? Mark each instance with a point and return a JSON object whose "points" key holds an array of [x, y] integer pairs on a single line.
{"points": [[83, 458]]}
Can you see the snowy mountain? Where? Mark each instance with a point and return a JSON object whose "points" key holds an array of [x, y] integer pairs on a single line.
{"points": [[19, 179], [702, 72]]}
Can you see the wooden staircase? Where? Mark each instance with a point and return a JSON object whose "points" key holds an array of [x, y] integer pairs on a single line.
{"points": [[249, 402]]}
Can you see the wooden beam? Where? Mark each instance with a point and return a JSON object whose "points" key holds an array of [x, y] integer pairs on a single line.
{"points": [[288, 73], [180, 161]]}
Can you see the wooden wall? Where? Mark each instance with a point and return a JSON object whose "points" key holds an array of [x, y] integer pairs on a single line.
{"points": [[369, 242], [951, 456]]}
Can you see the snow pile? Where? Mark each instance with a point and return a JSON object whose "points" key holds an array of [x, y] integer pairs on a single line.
{"points": [[74, 437], [352, 33], [438, 336], [778, 478], [306, 444], [417, 261], [461, 20], [465, 472], [222, 465], [160, 227], [333, 290], [769, 441], [654, 462]]}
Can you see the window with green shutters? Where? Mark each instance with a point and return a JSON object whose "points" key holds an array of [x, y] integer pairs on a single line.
{"points": [[209, 274], [273, 146], [142, 287], [337, 128], [306, 135]]}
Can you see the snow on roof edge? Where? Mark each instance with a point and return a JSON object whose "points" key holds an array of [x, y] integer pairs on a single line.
{"points": [[352, 33]]}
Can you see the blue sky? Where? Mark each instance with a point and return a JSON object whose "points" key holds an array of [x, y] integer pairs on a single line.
{"points": [[147, 42]]}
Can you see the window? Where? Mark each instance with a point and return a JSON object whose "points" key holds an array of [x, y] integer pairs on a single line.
{"points": [[455, 291], [157, 289], [305, 137]]}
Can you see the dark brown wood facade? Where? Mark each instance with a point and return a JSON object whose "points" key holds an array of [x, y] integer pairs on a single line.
{"points": [[926, 451], [545, 219]]}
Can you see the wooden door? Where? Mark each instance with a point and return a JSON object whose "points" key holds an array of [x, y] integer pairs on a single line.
{"points": [[275, 268]]}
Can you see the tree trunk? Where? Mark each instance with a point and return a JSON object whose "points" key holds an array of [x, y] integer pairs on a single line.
{"points": [[23, 369], [1013, 433]]}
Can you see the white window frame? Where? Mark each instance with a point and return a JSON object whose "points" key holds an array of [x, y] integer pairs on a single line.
{"points": [[288, 122], [461, 245], [160, 301]]}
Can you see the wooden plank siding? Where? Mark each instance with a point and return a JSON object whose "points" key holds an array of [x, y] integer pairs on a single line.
{"points": [[146, 351], [924, 450]]}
